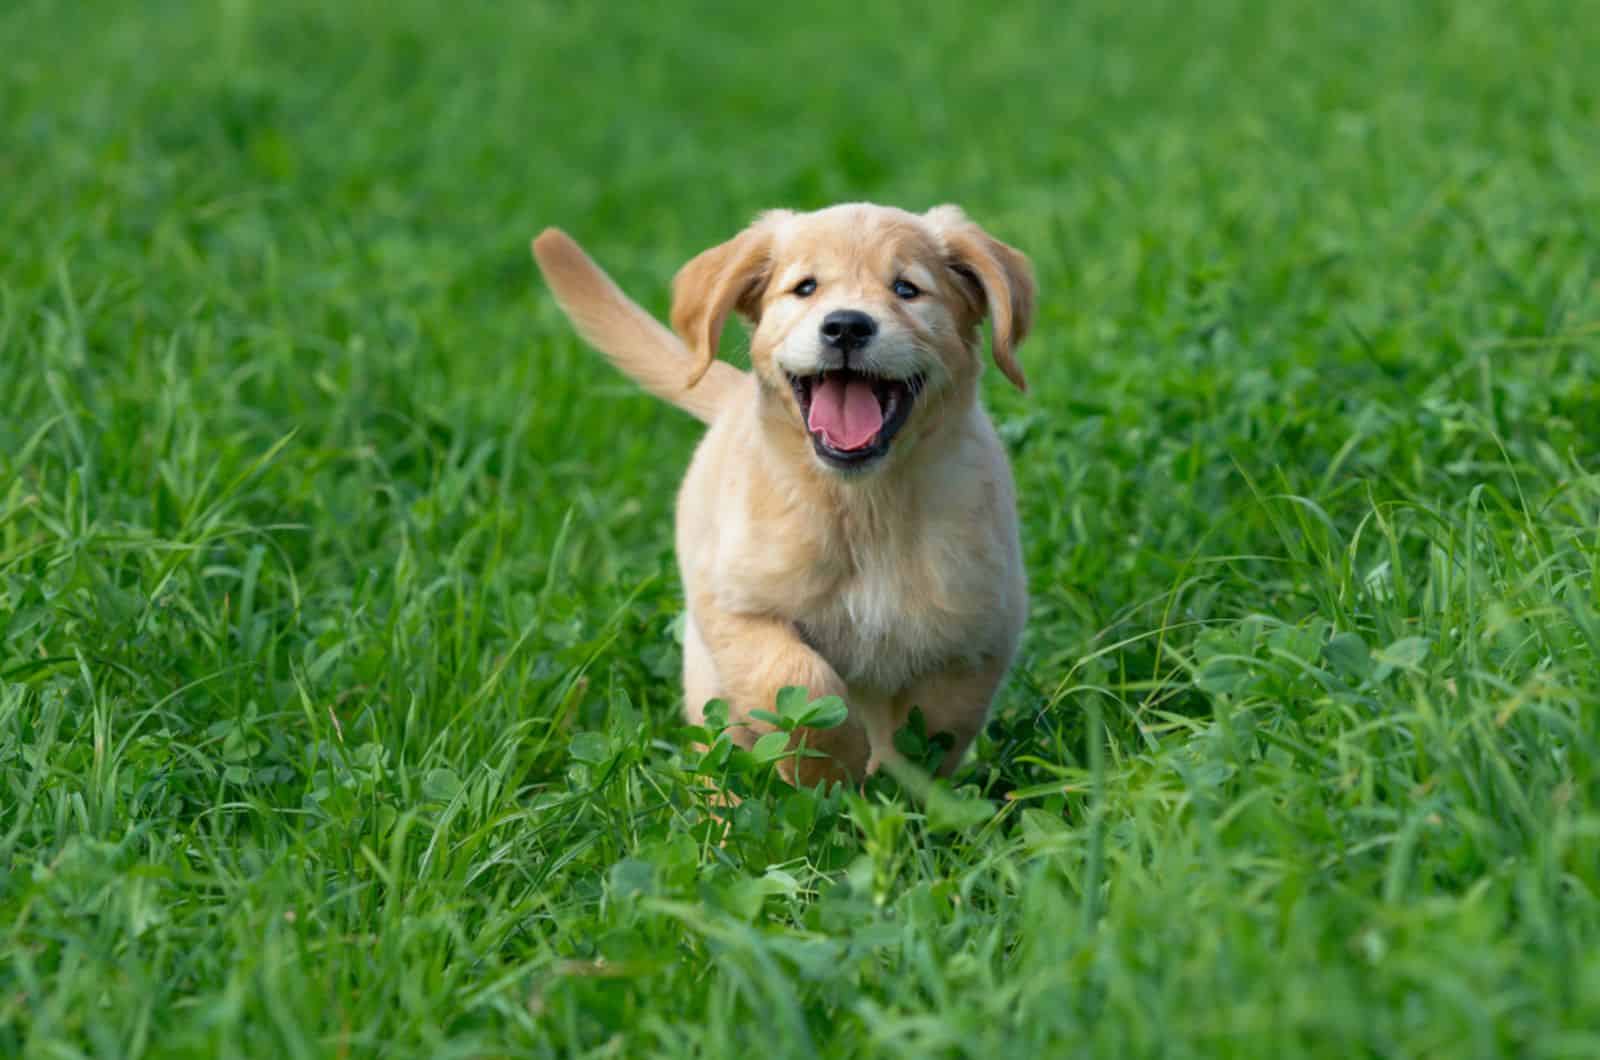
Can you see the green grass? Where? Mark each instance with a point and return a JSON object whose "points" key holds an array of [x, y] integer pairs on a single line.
{"points": [[338, 681]]}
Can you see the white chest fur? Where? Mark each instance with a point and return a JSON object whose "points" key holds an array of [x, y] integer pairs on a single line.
{"points": [[891, 619]]}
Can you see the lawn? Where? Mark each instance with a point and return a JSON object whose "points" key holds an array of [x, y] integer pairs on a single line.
{"points": [[338, 670]]}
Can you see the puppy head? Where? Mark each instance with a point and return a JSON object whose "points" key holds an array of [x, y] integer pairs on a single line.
{"points": [[865, 319]]}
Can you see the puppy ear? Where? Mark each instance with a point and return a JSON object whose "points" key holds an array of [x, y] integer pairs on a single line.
{"points": [[1002, 276], [718, 281]]}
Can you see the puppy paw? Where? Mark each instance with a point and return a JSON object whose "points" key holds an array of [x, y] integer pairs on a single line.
{"points": [[844, 747]]}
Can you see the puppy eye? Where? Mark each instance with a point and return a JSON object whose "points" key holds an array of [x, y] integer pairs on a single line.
{"points": [[806, 287], [906, 289]]}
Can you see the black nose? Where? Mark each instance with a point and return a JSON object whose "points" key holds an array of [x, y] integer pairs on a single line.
{"points": [[848, 329]]}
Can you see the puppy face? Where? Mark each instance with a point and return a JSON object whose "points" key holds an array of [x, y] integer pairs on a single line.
{"points": [[865, 319]]}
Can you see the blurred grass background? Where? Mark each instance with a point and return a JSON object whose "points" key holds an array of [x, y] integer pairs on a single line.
{"points": [[338, 686]]}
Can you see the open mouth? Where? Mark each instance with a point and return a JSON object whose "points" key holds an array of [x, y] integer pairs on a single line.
{"points": [[852, 417]]}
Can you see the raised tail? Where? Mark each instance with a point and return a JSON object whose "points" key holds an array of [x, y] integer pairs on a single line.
{"points": [[631, 338]]}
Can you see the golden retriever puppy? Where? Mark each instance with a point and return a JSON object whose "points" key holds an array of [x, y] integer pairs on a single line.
{"points": [[848, 523]]}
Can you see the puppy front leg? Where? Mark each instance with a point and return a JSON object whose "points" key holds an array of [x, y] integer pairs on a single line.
{"points": [[954, 700], [755, 656]]}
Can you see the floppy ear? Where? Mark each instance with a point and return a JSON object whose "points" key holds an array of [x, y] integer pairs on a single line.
{"points": [[1001, 275], [717, 281]]}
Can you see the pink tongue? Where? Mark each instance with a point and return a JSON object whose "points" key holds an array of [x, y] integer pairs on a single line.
{"points": [[846, 414]]}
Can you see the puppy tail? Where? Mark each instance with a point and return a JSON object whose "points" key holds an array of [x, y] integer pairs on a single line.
{"points": [[631, 338]]}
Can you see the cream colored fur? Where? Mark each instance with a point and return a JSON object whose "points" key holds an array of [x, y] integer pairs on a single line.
{"points": [[895, 586]]}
